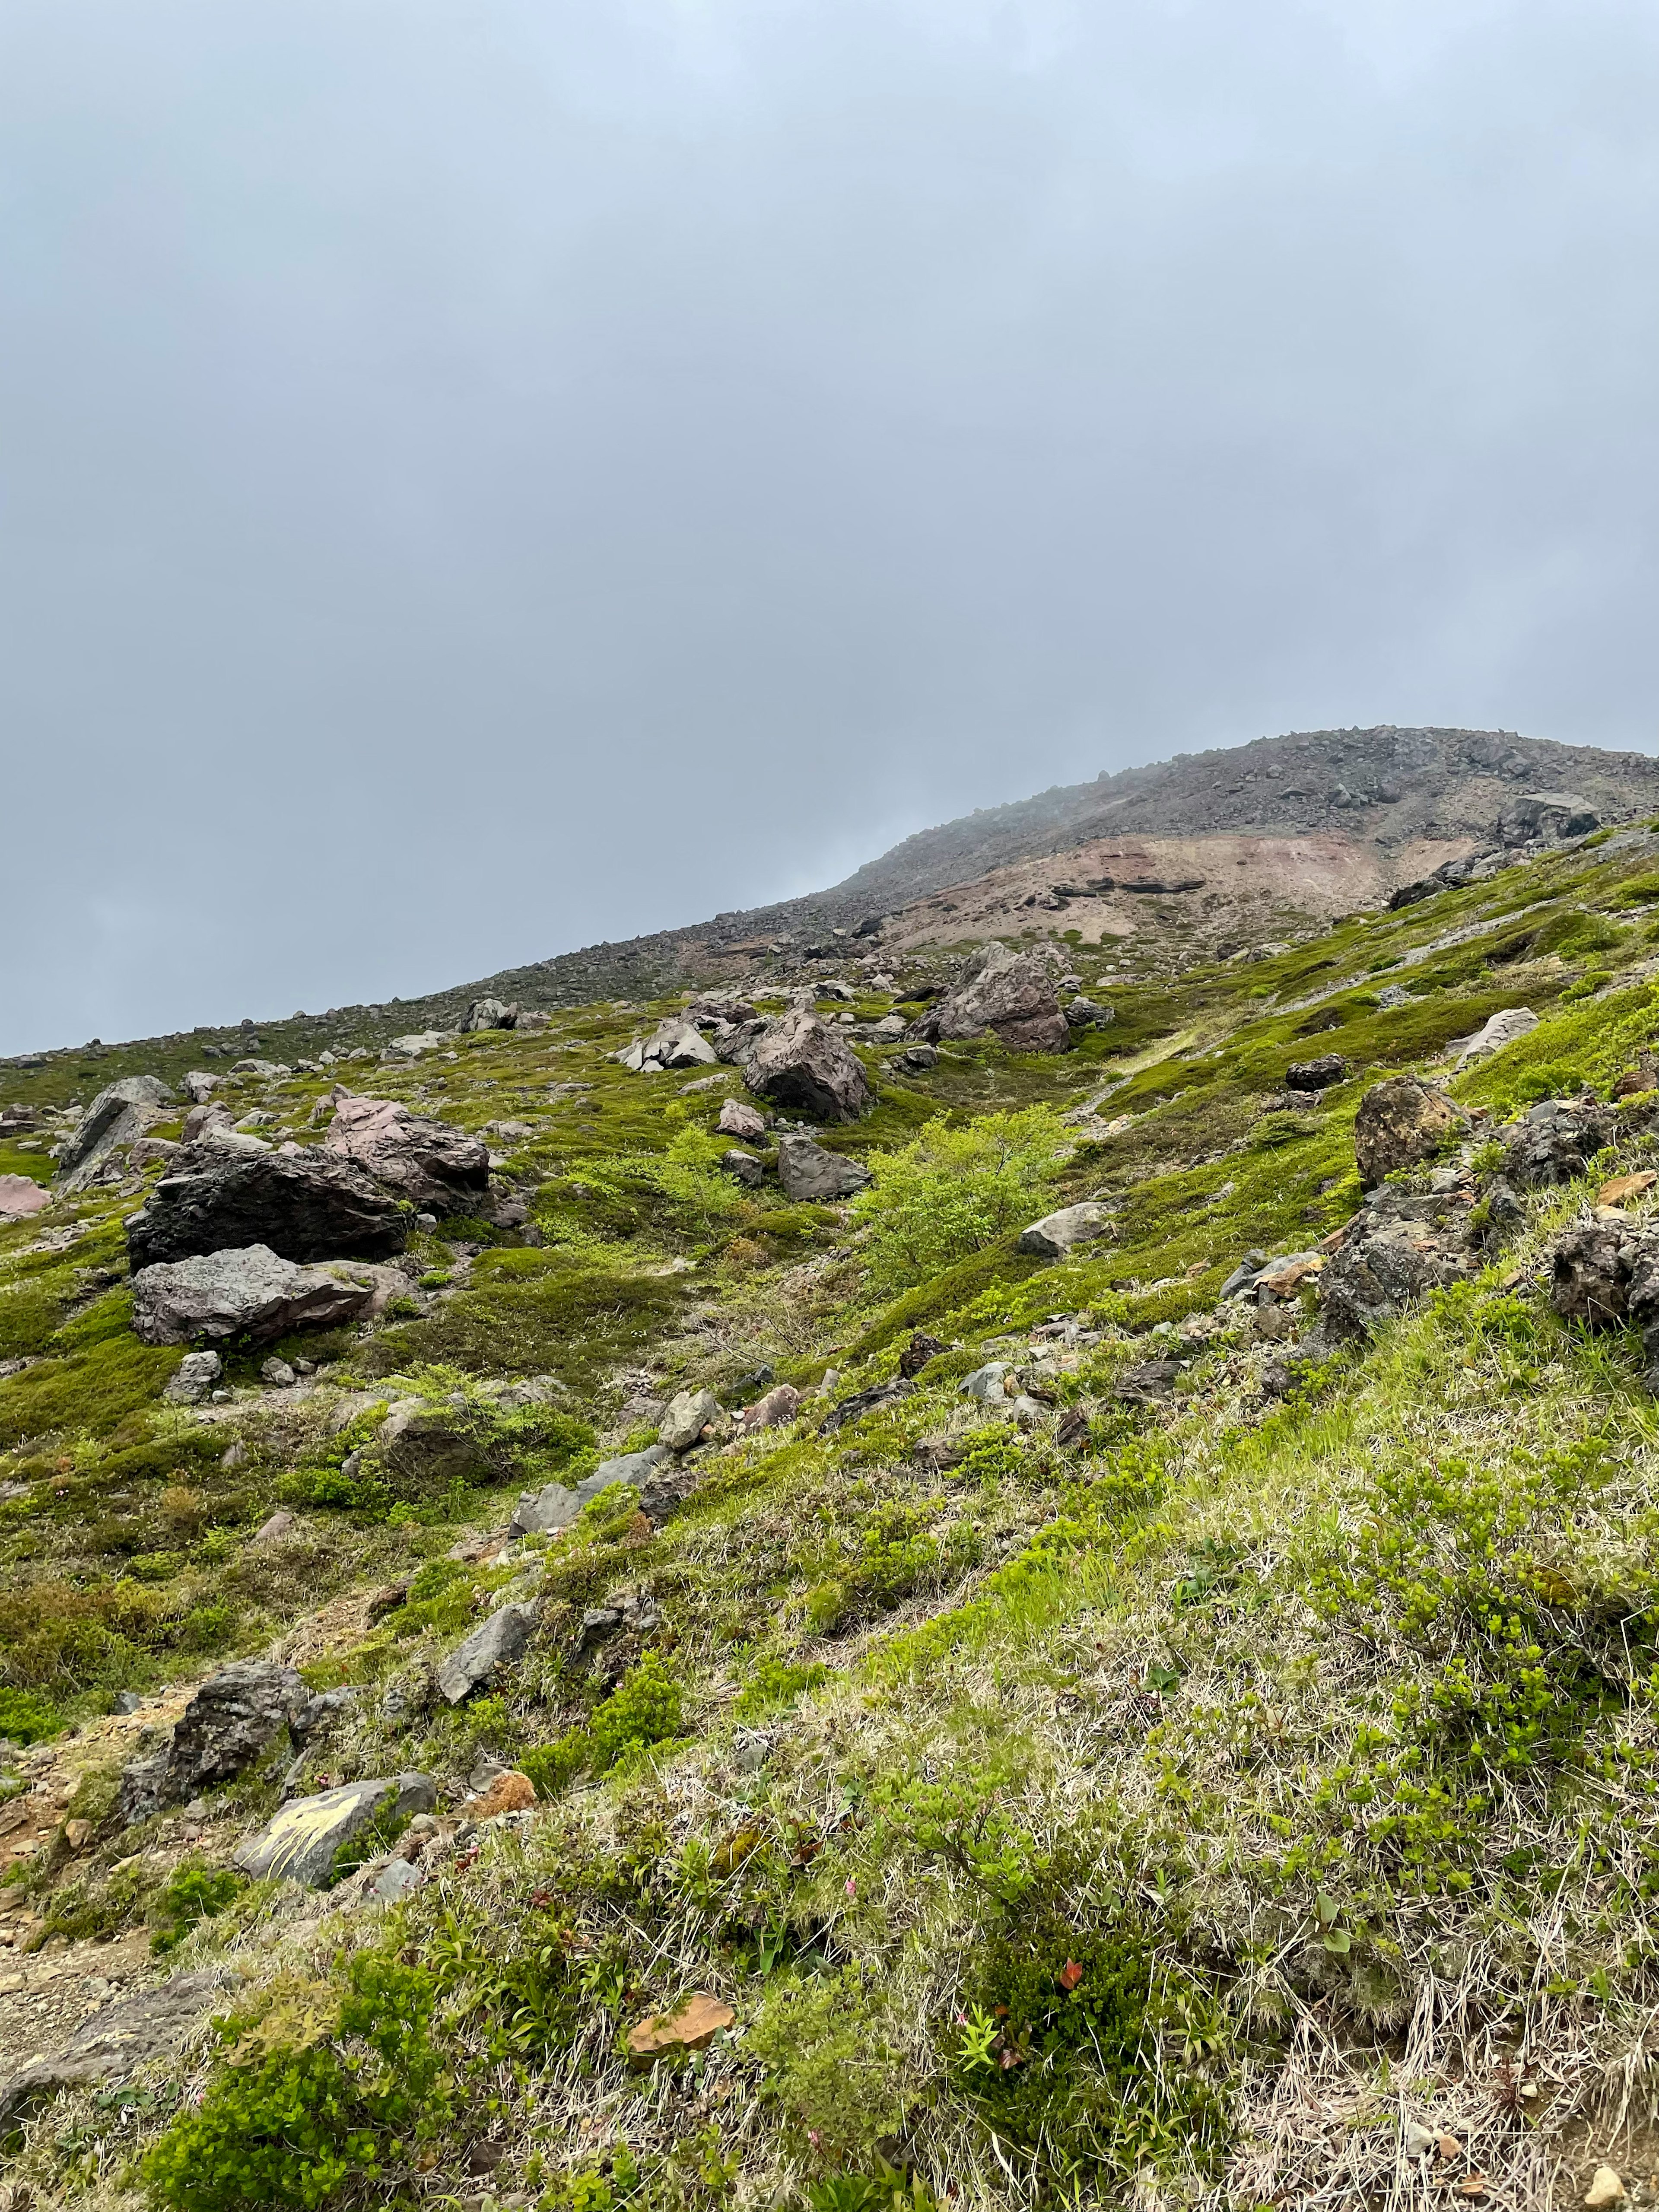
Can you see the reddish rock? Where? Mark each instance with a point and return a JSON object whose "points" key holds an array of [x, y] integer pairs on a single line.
{"points": [[20, 1197], [1009, 995], [440, 1167]]}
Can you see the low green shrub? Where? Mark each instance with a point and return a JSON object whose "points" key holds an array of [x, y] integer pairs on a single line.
{"points": [[951, 1191], [193, 1893]]}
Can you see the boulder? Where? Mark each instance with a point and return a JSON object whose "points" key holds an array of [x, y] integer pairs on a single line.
{"points": [[920, 1350], [917, 1060], [743, 1167], [433, 1445], [417, 1042], [120, 1113], [1394, 1251], [1146, 1384], [780, 1404], [992, 1384], [248, 1291], [488, 1014], [542, 1512], [1058, 1233], [500, 1639], [440, 1167], [739, 1120], [301, 1842], [1009, 995], [198, 1086], [1501, 1029], [1553, 814], [1591, 1266], [1556, 1140], [1400, 1122], [799, 1062], [689, 1413], [1316, 1074], [193, 1377], [810, 1175], [1086, 1013], [21, 1196], [300, 1205], [224, 1729], [864, 1401]]}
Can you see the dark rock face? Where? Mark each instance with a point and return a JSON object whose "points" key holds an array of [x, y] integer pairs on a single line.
{"points": [[800, 1063], [1147, 1383], [1010, 994], [1556, 1140], [1084, 1013], [1395, 1252], [224, 1729], [1590, 1271], [809, 1174], [1399, 1123], [246, 1291], [440, 1167], [119, 1114], [863, 1401], [917, 1353], [303, 1206], [500, 1638], [1316, 1074]]}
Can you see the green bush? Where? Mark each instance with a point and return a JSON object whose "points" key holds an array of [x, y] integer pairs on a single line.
{"points": [[951, 1191], [644, 1709], [25, 1717], [306, 2101], [191, 1893]]}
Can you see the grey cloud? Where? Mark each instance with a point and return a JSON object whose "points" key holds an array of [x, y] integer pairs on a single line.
{"points": [[476, 480]]}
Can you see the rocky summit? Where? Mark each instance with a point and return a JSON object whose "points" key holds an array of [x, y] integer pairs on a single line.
{"points": [[988, 1541]]}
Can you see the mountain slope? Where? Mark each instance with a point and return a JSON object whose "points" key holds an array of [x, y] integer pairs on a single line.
{"points": [[1218, 1770]]}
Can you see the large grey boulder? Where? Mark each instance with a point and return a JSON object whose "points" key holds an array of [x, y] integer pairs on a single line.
{"points": [[224, 1729], [810, 1175], [501, 1637], [743, 1167], [488, 1014], [433, 1445], [1399, 1123], [1535, 814], [800, 1063], [440, 1167], [246, 1292], [309, 1204], [118, 2038], [1493, 1034], [544, 1512], [120, 1112], [1009, 995], [301, 1842], [1058, 1233]]}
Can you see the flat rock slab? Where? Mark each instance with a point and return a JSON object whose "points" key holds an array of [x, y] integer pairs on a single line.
{"points": [[248, 1291], [300, 1842], [692, 2025], [114, 2041], [120, 1113], [501, 1637]]}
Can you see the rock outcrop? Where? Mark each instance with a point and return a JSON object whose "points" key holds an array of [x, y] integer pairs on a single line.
{"points": [[499, 1639], [1009, 995], [120, 1113], [1400, 1122], [1556, 1140], [1058, 1233], [301, 1205], [439, 1168], [222, 1731], [302, 1842], [799, 1062], [248, 1291]]}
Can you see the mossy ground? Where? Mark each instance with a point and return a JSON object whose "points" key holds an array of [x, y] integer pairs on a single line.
{"points": [[1171, 1809]]}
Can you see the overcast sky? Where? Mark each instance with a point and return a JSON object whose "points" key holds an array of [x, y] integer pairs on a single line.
{"points": [[478, 476]]}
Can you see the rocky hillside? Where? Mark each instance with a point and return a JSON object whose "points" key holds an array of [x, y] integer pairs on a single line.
{"points": [[968, 1574]]}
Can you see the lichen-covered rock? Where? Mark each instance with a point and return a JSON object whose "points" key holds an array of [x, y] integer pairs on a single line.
{"points": [[1498, 1031], [1395, 1252], [1591, 1266], [1010, 994], [810, 1174], [800, 1063], [301, 1205], [1400, 1122], [1557, 1141], [301, 1842], [193, 1377], [247, 1292], [688, 1412], [440, 1169]]}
